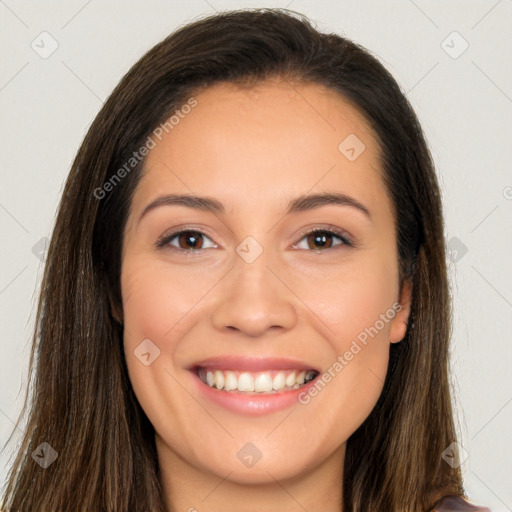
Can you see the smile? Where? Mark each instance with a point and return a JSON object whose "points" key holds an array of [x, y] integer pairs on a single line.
{"points": [[250, 385], [261, 382]]}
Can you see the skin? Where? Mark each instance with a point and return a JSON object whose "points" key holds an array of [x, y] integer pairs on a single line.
{"points": [[254, 149]]}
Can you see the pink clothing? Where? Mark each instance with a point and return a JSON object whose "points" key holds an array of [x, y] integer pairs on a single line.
{"points": [[451, 503]]}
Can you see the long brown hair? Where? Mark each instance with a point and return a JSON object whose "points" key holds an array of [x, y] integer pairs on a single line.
{"points": [[81, 400]]}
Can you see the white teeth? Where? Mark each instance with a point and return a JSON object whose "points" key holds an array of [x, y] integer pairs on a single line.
{"points": [[259, 382], [245, 382], [290, 380], [219, 379], [263, 382], [279, 381], [230, 381]]}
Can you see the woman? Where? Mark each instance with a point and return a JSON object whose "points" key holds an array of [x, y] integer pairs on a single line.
{"points": [[245, 301]]}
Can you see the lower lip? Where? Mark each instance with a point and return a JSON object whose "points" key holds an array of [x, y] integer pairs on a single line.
{"points": [[252, 405]]}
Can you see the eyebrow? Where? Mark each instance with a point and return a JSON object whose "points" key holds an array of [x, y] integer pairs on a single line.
{"points": [[299, 204]]}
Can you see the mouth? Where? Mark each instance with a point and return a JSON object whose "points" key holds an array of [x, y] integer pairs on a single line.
{"points": [[262, 382], [252, 386]]}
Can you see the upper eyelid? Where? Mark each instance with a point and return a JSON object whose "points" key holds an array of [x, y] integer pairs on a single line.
{"points": [[340, 233], [173, 233]]}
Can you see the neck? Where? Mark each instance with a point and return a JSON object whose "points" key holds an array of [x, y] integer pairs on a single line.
{"points": [[188, 488]]}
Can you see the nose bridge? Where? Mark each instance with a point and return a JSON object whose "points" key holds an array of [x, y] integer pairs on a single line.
{"points": [[253, 298], [252, 268]]}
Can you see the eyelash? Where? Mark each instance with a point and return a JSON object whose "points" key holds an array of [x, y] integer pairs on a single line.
{"points": [[341, 235]]}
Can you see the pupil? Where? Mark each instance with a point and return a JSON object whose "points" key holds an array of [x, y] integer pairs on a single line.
{"points": [[192, 238], [320, 239]]}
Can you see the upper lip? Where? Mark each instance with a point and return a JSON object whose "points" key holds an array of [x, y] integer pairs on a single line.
{"points": [[247, 363]]}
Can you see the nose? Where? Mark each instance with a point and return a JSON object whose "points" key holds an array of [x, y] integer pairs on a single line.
{"points": [[255, 298]]}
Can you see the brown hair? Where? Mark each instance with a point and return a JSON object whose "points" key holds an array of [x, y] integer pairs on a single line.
{"points": [[82, 402]]}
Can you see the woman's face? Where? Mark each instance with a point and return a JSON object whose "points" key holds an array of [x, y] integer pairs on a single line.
{"points": [[247, 296]]}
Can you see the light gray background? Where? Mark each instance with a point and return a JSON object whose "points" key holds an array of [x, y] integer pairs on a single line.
{"points": [[463, 101]]}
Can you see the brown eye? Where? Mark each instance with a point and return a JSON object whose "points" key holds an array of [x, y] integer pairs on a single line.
{"points": [[319, 240], [190, 240], [322, 239], [187, 240]]}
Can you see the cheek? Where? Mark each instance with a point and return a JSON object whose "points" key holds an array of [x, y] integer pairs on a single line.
{"points": [[353, 299], [358, 312], [356, 303], [156, 302], [157, 306], [153, 307]]}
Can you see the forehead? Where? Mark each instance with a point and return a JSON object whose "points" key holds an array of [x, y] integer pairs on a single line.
{"points": [[269, 141]]}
